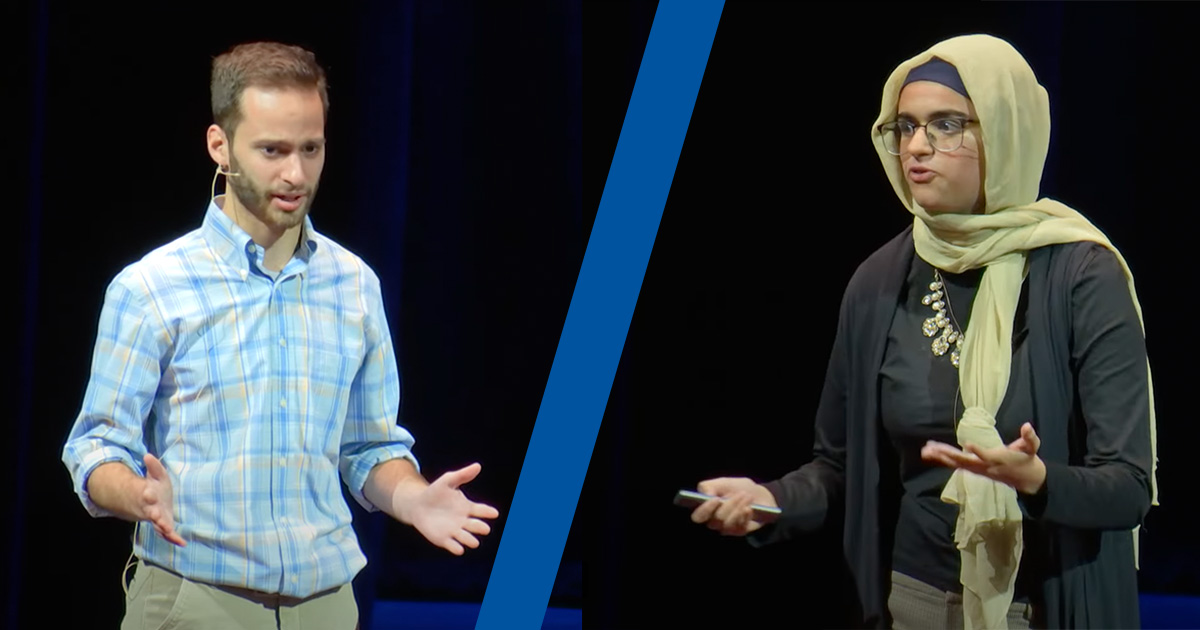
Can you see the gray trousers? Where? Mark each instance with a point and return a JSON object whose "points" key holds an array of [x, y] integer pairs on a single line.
{"points": [[916, 605], [159, 599]]}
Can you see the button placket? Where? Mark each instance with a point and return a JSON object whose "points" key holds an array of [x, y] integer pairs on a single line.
{"points": [[279, 431]]}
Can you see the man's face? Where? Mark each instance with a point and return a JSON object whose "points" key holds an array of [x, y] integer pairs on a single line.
{"points": [[279, 149], [941, 181]]}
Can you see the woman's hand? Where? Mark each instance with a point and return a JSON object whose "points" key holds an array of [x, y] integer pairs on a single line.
{"points": [[730, 512], [1017, 464]]}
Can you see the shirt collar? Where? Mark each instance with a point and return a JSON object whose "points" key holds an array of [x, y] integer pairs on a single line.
{"points": [[232, 244]]}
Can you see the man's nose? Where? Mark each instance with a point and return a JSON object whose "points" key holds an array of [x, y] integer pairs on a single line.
{"points": [[293, 170]]}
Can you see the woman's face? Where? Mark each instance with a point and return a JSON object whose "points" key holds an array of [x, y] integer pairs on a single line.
{"points": [[941, 181]]}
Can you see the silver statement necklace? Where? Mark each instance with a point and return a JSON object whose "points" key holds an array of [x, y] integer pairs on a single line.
{"points": [[939, 300]]}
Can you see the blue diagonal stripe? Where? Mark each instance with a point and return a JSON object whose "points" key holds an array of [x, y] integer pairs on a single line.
{"points": [[598, 318]]}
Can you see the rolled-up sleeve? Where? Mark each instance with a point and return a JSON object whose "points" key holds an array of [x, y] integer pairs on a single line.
{"points": [[372, 434], [125, 373]]}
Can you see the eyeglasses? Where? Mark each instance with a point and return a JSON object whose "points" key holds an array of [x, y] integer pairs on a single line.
{"points": [[943, 134]]}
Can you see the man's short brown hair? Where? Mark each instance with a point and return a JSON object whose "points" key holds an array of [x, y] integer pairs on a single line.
{"points": [[263, 65]]}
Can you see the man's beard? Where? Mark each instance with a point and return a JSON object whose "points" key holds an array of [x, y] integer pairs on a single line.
{"points": [[258, 201]]}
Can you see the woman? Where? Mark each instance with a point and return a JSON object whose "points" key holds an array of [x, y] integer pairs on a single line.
{"points": [[986, 422]]}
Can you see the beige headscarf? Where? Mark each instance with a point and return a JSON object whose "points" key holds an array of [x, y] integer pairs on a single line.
{"points": [[1014, 115]]}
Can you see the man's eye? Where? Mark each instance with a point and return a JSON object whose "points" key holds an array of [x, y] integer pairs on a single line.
{"points": [[269, 151]]}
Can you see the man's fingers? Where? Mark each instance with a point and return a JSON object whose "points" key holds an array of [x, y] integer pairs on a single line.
{"points": [[482, 510], [466, 539], [456, 478], [154, 468], [476, 526], [453, 547], [154, 511], [169, 534], [160, 521]]}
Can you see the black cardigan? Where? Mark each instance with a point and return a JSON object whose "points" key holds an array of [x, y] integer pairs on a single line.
{"points": [[1091, 408]]}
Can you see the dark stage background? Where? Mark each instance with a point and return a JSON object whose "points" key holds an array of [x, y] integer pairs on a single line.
{"points": [[454, 169], [778, 196]]}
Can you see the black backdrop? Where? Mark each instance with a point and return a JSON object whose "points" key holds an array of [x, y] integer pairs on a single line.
{"points": [[456, 169], [778, 196]]}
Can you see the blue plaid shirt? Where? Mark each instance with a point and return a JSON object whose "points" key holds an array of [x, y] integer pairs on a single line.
{"points": [[254, 388]]}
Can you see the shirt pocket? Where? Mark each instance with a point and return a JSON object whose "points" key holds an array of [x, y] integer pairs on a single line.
{"points": [[328, 377]]}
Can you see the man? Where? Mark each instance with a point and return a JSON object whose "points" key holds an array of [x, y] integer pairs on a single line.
{"points": [[237, 370]]}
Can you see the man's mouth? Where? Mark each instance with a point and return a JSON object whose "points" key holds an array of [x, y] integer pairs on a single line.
{"points": [[288, 202]]}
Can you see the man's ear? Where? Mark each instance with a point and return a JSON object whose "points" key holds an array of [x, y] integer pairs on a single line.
{"points": [[218, 145]]}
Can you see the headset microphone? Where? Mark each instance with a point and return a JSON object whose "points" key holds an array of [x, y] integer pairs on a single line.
{"points": [[221, 170]]}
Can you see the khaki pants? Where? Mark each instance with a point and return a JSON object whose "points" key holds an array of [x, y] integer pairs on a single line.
{"points": [[159, 599]]}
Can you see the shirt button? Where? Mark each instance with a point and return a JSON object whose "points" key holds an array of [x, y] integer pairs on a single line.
{"points": [[283, 403], [295, 579], [250, 247], [283, 343], [283, 464]]}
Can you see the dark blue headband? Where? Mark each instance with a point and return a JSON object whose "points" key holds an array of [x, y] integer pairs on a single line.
{"points": [[938, 71]]}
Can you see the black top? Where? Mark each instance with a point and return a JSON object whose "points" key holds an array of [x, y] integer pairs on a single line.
{"points": [[920, 401], [1087, 366]]}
